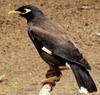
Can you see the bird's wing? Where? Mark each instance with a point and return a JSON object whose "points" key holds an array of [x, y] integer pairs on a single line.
{"points": [[59, 46]]}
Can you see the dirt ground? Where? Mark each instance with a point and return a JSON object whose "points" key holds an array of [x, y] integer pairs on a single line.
{"points": [[19, 61]]}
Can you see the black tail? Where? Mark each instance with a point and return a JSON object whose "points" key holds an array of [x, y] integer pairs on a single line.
{"points": [[83, 78]]}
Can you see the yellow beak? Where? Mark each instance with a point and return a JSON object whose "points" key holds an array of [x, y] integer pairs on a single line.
{"points": [[14, 12]]}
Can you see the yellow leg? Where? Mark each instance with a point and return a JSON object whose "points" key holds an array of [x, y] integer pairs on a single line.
{"points": [[63, 68], [52, 75]]}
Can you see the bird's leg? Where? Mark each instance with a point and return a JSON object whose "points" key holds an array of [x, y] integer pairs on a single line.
{"points": [[53, 75], [63, 68]]}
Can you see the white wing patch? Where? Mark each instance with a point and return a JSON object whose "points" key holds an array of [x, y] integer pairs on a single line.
{"points": [[83, 90], [73, 43], [68, 66], [46, 50]]}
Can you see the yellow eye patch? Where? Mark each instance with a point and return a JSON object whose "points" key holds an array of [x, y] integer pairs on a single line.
{"points": [[27, 11]]}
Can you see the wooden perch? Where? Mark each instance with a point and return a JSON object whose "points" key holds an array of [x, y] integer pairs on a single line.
{"points": [[46, 89]]}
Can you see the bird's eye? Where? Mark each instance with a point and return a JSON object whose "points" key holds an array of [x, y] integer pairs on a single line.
{"points": [[26, 11]]}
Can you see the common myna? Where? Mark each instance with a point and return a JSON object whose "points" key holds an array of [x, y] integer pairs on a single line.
{"points": [[55, 48]]}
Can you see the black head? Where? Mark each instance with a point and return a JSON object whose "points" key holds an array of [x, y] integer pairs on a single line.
{"points": [[30, 12]]}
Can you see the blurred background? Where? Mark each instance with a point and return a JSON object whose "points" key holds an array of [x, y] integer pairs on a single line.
{"points": [[22, 69]]}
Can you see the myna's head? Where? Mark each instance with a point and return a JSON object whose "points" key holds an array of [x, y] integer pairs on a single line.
{"points": [[29, 12]]}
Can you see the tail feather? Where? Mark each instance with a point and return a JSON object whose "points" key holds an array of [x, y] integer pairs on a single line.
{"points": [[83, 78]]}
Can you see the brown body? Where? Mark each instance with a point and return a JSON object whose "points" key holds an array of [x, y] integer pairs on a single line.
{"points": [[54, 38]]}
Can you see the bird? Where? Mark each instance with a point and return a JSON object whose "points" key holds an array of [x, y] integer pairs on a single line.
{"points": [[56, 48]]}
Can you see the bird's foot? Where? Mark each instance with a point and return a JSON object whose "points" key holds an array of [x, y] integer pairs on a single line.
{"points": [[51, 80]]}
